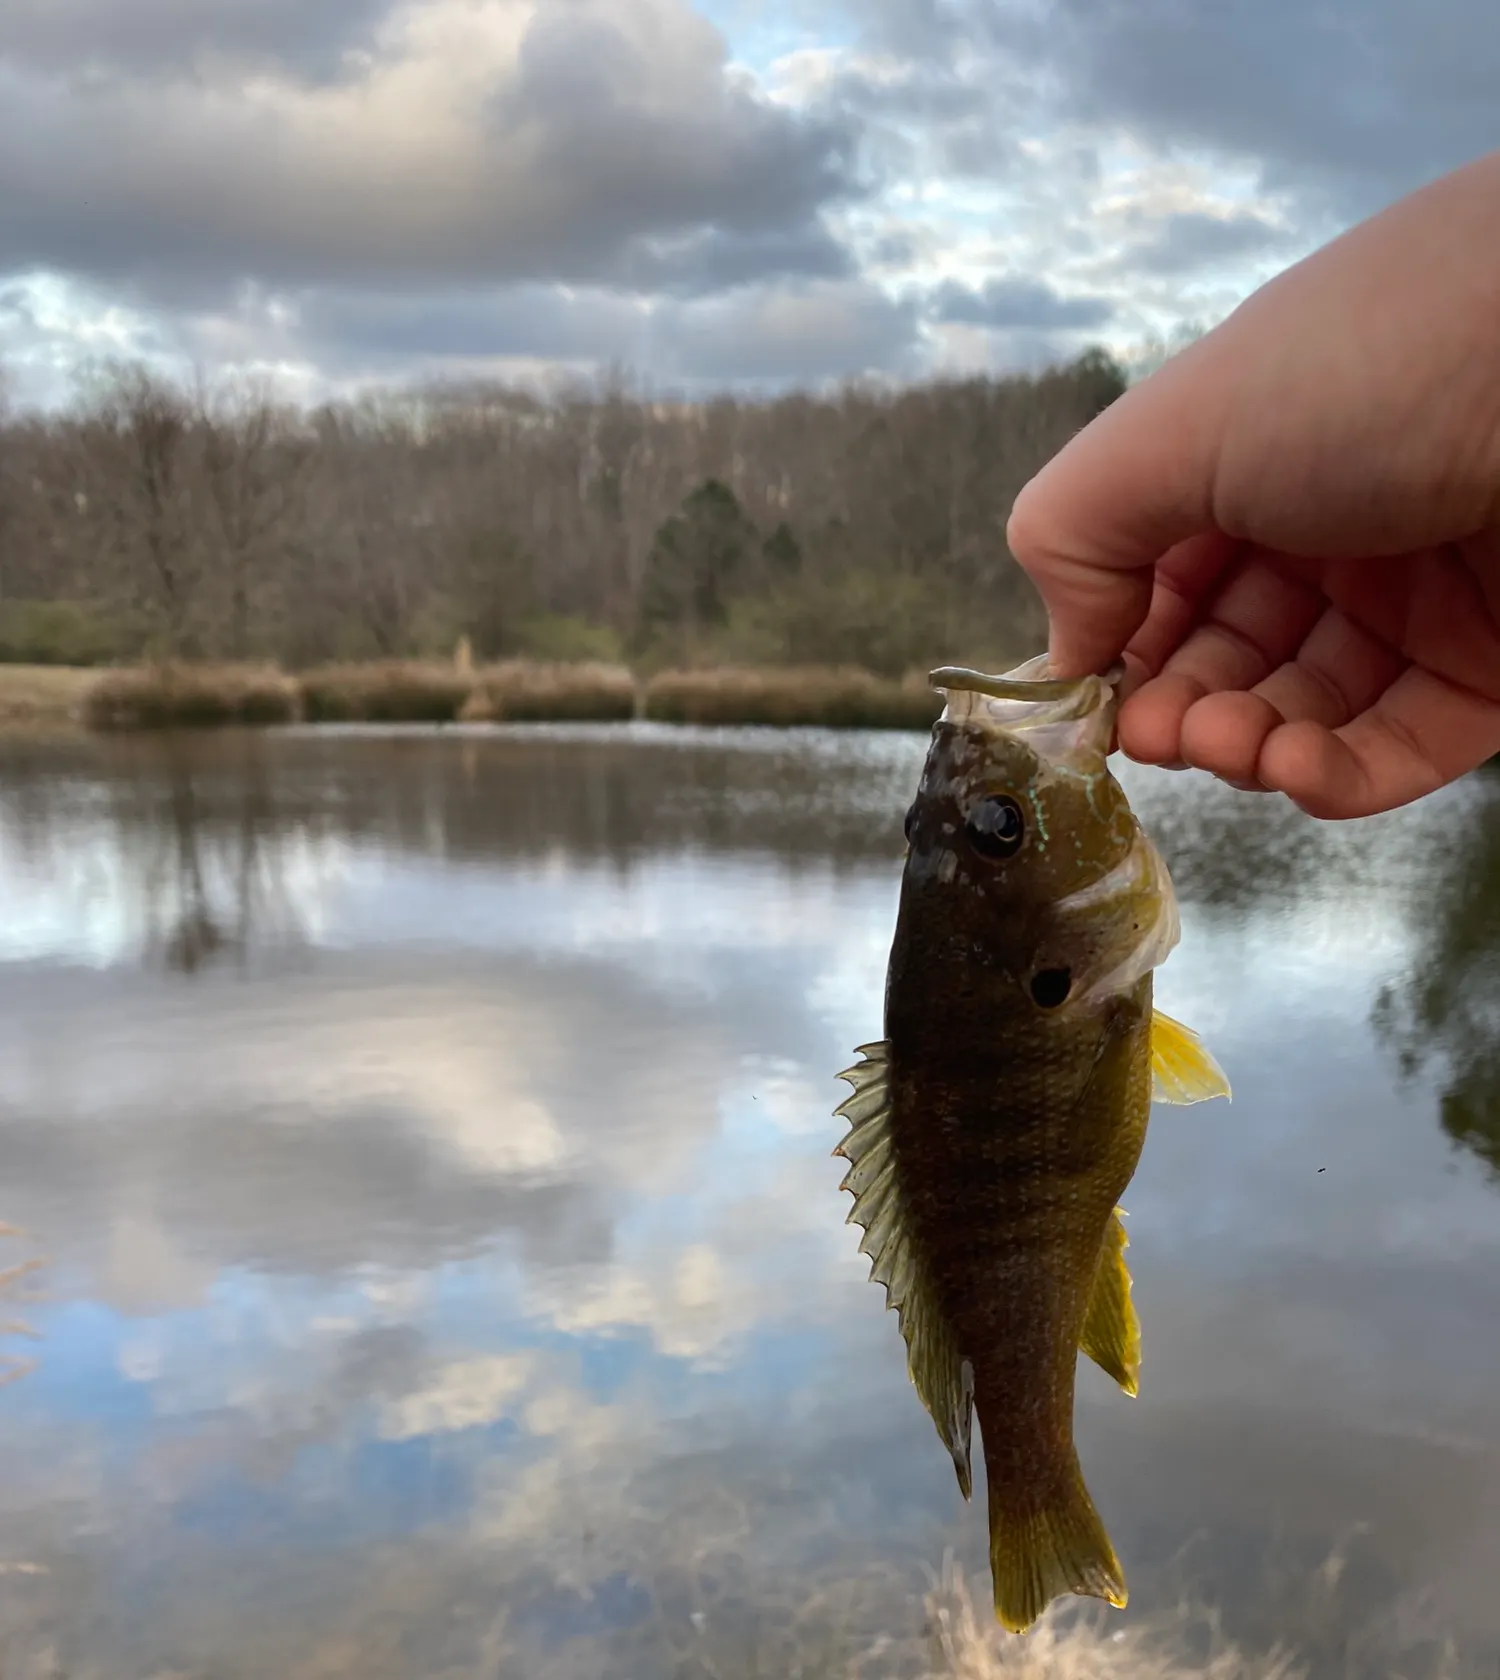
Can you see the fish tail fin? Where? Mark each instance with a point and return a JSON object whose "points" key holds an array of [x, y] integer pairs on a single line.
{"points": [[1043, 1548]]}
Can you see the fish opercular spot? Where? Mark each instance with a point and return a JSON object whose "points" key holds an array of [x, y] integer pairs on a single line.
{"points": [[1050, 987]]}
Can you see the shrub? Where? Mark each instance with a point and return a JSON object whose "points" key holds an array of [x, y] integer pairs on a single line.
{"points": [[173, 696], [387, 691], [831, 697], [522, 690]]}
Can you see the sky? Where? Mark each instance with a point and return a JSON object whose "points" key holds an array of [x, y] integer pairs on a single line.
{"points": [[728, 194]]}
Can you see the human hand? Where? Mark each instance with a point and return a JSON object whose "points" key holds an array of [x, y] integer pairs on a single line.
{"points": [[1292, 530]]}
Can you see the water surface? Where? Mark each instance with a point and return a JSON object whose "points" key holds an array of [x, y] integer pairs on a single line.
{"points": [[427, 1136]]}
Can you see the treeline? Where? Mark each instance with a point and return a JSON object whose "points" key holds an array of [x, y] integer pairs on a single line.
{"points": [[865, 527]]}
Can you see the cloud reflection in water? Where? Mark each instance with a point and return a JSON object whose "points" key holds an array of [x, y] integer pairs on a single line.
{"points": [[464, 1216]]}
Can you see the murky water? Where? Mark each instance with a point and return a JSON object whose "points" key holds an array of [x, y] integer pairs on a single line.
{"points": [[428, 1141]]}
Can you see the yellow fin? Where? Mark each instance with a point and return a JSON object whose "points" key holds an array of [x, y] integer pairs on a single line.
{"points": [[1111, 1331], [1037, 1555], [942, 1376], [1182, 1069]]}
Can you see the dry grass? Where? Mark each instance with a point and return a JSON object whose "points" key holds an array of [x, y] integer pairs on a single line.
{"points": [[181, 696], [530, 691], [1067, 1646], [387, 691], [830, 697], [42, 696]]}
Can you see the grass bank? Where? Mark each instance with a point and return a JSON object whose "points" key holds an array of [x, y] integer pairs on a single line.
{"points": [[829, 697], [392, 691], [191, 696], [41, 697], [532, 691]]}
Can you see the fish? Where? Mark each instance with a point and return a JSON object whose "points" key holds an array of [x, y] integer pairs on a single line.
{"points": [[994, 1128]]}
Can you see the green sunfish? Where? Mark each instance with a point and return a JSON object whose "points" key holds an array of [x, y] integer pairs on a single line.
{"points": [[995, 1126]]}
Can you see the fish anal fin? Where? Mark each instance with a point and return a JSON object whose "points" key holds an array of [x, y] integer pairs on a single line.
{"points": [[1043, 1550], [943, 1378], [1111, 1331], [1182, 1069]]}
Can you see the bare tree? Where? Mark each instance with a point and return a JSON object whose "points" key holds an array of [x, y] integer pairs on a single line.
{"points": [[254, 459], [866, 524], [134, 441]]}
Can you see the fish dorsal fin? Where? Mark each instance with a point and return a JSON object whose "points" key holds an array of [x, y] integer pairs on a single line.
{"points": [[941, 1375], [1111, 1331], [1182, 1069]]}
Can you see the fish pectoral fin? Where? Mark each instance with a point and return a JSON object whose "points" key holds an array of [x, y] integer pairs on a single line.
{"points": [[941, 1375], [1040, 1550], [1182, 1069], [1111, 1331]]}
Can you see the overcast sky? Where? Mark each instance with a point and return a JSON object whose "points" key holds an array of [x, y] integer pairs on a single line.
{"points": [[737, 191]]}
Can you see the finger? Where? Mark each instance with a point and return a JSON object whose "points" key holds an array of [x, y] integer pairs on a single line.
{"points": [[1432, 604], [1185, 576], [1138, 479], [1224, 734], [1258, 618], [1339, 671], [1421, 734], [1150, 722]]}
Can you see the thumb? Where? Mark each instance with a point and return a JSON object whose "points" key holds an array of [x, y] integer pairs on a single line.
{"points": [[1090, 527]]}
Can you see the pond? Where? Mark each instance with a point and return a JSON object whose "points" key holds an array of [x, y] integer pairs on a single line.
{"points": [[426, 1140]]}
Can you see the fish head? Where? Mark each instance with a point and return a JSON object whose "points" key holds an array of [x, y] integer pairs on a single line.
{"points": [[1023, 852]]}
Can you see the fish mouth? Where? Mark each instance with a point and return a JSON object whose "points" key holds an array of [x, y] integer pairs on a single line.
{"points": [[1068, 721]]}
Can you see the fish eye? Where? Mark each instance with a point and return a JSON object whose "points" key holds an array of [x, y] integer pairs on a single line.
{"points": [[1050, 987], [995, 827]]}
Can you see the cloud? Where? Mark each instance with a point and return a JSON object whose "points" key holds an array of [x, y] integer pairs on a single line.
{"points": [[1194, 239], [811, 330], [371, 189], [1350, 104], [1343, 106], [480, 140], [1011, 302], [175, 35]]}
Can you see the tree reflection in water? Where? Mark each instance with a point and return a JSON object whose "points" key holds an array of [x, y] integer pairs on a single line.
{"points": [[1447, 1005], [207, 844]]}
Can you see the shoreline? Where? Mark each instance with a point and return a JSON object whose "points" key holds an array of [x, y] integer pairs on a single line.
{"points": [[44, 699]]}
